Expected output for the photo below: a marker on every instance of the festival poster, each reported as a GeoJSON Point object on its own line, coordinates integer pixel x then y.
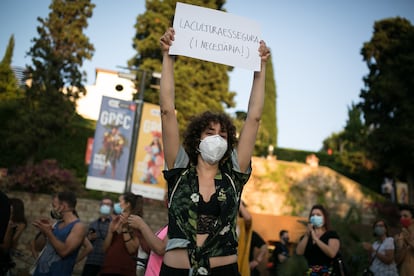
{"type": "Point", "coordinates": [111, 148]}
{"type": "Point", "coordinates": [147, 177]}
{"type": "Point", "coordinates": [402, 192]}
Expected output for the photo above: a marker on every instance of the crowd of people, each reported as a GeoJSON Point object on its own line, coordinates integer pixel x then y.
{"type": "Point", "coordinates": [110, 243]}
{"type": "Point", "coordinates": [209, 231]}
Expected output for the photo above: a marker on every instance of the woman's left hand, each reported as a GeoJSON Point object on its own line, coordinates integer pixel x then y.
{"type": "Point", "coordinates": [134, 221]}
{"type": "Point", "coordinates": [264, 51]}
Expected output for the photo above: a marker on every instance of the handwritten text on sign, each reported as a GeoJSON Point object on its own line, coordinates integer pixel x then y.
{"type": "Point", "coordinates": [216, 36]}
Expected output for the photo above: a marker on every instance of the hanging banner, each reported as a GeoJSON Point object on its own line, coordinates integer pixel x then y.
{"type": "Point", "coordinates": [147, 177]}
{"type": "Point", "coordinates": [216, 36]}
{"type": "Point", "coordinates": [111, 147]}
{"type": "Point", "coordinates": [402, 193]}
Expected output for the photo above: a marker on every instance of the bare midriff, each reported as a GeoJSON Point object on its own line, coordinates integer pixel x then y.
{"type": "Point", "coordinates": [178, 258]}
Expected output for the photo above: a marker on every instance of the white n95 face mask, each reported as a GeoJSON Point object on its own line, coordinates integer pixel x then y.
{"type": "Point", "coordinates": [212, 148]}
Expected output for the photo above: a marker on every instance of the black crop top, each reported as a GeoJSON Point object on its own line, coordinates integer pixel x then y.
{"type": "Point", "coordinates": [207, 214]}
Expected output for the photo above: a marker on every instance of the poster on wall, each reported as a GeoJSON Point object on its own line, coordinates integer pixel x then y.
{"type": "Point", "coordinates": [147, 177]}
{"type": "Point", "coordinates": [402, 192]}
{"type": "Point", "coordinates": [111, 148]}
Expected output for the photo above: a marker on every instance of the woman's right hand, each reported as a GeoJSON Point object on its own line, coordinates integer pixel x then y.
{"type": "Point", "coordinates": [166, 40]}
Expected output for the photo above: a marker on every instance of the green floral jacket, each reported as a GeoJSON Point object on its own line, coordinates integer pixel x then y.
{"type": "Point", "coordinates": [183, 196]}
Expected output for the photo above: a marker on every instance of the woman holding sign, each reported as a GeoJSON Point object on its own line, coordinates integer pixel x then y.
{"type": "Point", "coordinates": [205, 177]}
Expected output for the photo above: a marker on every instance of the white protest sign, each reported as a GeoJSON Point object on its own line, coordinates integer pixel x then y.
{"type": "Point", "coordinates": [216, 36]}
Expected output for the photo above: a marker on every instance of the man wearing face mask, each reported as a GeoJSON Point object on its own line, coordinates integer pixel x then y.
{"type": "Point", "coordinates": [96, 234]}
{"type": "Point", "coordinates": [64, 239]}
{"type": "Point", "coordinates": [319, 245]}
{"type": "Point", "coordinates": [281, 253]}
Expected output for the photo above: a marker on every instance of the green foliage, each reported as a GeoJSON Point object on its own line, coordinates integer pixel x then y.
{"type": "Point", "coordinates": [367, 176]}
{"type": "Point", "coordinates": [10, 106]}
{"type": "Point", "coordinates": [267, 134]}
{"type": "Point", "coordinates": [57, 55]}
{"type": "Point", "coordinates": [387, 99]}
{"type": "Point", "coordinates": [349, 155]}
{"type": "Point", "coordinates": [8, 84]}
{"type": "Point", "coordinates": [44, 177]}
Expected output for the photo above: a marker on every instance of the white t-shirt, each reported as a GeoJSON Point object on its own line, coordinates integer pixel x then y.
{"type": "Point", "coordinates": [378, 267]}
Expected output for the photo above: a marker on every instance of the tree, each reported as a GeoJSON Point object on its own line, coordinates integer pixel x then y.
{"type": "Point", "coordinates": [348, 144]}
{"type": "Point", "coordinates": [10, 103]}
{"type": "Point", "coordinates": [388, 99]}
{"type": "Point", "coordinates": [57, 82]}
{"type": "Point", "coordinates": [267, 134]}
{"type": "Point", "coordinates": [8, 83]}
{"type": "Point", "coordinates": [200, 85]}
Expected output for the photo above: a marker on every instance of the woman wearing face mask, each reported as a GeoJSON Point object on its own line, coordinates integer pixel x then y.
{"type": "Point", "coordinates": [319, 245]}
{"type": "Point", "coordinates": [381, 252]}
{"type": "Point", "coordinates": [205, 177]}
{"type": "Point", "coordinates": [121, 242]}
{"type": "Point", "coordinates": [404, 242]}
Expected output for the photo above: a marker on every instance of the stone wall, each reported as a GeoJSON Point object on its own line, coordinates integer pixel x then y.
{"type": "Point", "coordinates": [38, 205]}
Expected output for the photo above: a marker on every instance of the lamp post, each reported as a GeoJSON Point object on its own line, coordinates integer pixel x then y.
{"type": "Point", "coordinates": [138, 115]}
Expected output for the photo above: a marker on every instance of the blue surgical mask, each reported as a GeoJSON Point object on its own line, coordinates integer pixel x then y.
{"type": "Point", "coordinates": [117, 208]}
{"type": "Point", "coordinates": [317, 221]}
{"type": "Point", "coordinates": [105, 210]}
{"type": "Point", "coordinates": [379, 231]}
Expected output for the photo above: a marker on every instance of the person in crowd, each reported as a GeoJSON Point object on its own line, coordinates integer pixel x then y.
{"type": "Point", "coordinates": [205, 177]}
{"type": "Point", "coordinates": [404, 242]}
{"type": "Point", "coordinates": [258, 255]}
{"type": "Point", "coordinates": [244, 234]}
{"type": "Point", "coordinates": [117, 210]}
{"type": "Point", "coordinates": [5, 215]}
{"type": "Point", "coordinates": [97, 232]}
{"type": "Point", "coordinates": [121, 242]}
{"type": "Point", "coordinates": [18, 225]}
{"type": "Point", "coordinates": [38, 243]}
{"type": "Point", "coordinates": [6, 234]}
{"type": "Point", "coordinates": [280, 254]}
{"type": "Point", "coordinates": [19, 220]}
{"type": "Point", "coordinates": [64, 239]}
{"type": "Point", "coordinates": [320, 245]}
{"type": "Point", "coordinates": [156, 242]}
{"type": "Point", "coordinates": [381, 252]}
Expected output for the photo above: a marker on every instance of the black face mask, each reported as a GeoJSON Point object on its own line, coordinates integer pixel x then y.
{"type": "Point", "coordinates": [286, 240]}
{"type": "Point", "coordinates": [55, 214]}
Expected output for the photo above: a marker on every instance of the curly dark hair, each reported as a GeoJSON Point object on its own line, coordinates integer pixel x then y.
{"type": "Point", "coordinates": [200, 123]}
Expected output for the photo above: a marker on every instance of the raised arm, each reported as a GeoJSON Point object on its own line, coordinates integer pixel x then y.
{"type": "Point", "coordinates": [254, 112]}
{"type": "Point", "coordinates": [155, 243]}
{"type": "Point", "coordinates": [170, 133]}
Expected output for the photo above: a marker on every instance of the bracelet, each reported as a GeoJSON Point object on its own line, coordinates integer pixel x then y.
{"type": "Point", "coordinates": [128, 240]}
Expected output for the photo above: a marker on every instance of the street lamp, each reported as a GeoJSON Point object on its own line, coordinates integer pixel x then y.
{"type": "Point", "coordinates": [138, 114]}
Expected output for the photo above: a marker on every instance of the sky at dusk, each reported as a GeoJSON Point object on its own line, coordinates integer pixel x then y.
{"type": "Point", "coordinates": [315, 53]}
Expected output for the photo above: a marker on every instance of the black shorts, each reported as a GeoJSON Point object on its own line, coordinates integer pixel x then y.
{"type": "Point", "coordinates": [224, 270]}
